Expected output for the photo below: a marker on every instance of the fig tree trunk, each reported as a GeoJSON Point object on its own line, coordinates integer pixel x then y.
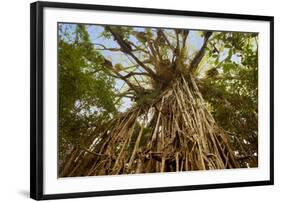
{"type": "Point", "coordinates": [174, 132]}
{"type": "Point", "coordinates": [169, 128]}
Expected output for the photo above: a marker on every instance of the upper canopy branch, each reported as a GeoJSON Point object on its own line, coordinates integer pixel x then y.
{"type": "Point", "coordinates": [127, 49]}
{"type": "Point", "coordinates": [135, 73]}
{"type": "Point", "coordinates": [199, 55]}
{"type": "Point", "coordinates": [118, 49]}
{"type": "Point", "coordinates": [166, 39]}
{"type": "Point", "coordinates": [106, 48]}
{"type": "Point", "coordinates": [109, 65]}
{"type": "Point", "coordinates": [184, 37]}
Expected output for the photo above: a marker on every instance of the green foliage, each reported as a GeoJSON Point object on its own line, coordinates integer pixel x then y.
{"type": "Point", "coordinates": [86, 92]}
{"type": "Point", "coordinates": [233, 94]}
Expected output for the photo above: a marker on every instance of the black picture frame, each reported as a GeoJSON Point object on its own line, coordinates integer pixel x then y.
{"type": "Point", "coordinates": [37, 99]}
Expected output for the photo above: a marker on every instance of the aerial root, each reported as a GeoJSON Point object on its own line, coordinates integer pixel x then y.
{"type": "Point", "coordinates": [177, 133]}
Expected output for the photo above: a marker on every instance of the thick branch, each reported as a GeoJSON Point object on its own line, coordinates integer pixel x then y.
{"type": "Point", "coordinates": [108, 64]}
{"type": "Point", "coordinates": [177, 49]}
{"type": "Point", "coordinates": [135, 73]}
{"type": "Point", "coordinates": [167, 41]}
{"type": "Point", "coordinates": [106, 48]}
{"type": "Point", "coordinates": [185, 34]}
{"type": "Point", "coordinates": [119, 49]}
{"type": "Point", "coordinates": [198, 57]}
{"type": "Point", "coordinates": [126, 48]}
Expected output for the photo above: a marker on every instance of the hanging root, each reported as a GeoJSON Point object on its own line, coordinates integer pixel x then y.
{"type": "Point", "coordinates": [176, 133]}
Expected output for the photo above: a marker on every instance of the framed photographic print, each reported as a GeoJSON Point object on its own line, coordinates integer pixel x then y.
{"type": "Point", "coordinates": [134, 100]}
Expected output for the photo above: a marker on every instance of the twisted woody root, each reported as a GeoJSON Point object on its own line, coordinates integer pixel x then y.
{"type": "Point", "coordinates": [175, 132]}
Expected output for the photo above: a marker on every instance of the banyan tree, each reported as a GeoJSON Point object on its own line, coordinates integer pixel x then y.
{"type": "Point", "coordinates": [144, 100]}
